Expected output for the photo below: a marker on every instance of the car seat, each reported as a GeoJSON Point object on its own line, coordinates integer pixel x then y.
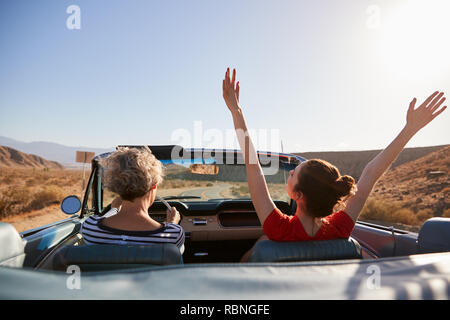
{"type": "Point", "coordinates": [275, 251]}
{"type": "Point", "coordinates": [102, 257]}
{"type": "Point", "coordinates": [434, 236]}
{"type": "Point", "coordinates": [12, 252]}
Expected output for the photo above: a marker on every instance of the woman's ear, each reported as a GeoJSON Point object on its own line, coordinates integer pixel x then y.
{"type": "Point", "coordinates": [151, 194]}
{"type": "Point", "coordinates": [301, 201]}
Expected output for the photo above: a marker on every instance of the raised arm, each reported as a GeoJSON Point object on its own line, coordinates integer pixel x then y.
{"type": "Point", "coordinates": [256, 182]}
{"type": "Point", "coordinates": [416, 119]}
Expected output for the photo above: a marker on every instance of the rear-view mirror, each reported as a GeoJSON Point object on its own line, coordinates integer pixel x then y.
{"type": "Point", "coordinates": [204, 169]}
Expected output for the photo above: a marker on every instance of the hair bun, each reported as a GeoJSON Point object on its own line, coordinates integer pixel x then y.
{"type": "Point", "coordinates": [345, 185]}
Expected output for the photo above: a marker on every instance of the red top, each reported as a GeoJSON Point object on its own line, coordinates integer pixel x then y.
{"type": "Point", "coordinates": [281, 227]}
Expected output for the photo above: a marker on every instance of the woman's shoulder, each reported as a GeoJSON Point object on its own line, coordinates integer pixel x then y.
{"type": "Point", "coordinates": [172, 227]}
{"type": "Point", "coordinates": [97, 218]}
{"type": "Point", "coordinates": [338, 216]}
{"type": "Point", "coordinates": [93, 219]}
{"type": "Point", "coordinates": [340, 222]}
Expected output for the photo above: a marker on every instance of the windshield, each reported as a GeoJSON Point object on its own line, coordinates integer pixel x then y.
{"type": "Point", "coordinates": [206, 180]}
{"type": "Point", "coordinates": [230, 182]}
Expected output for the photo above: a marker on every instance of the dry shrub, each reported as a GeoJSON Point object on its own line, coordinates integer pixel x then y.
{"type": "Point", "coordinates": [60, 182]}
{"type": "Point", "coordinates": [446, 214]}
{"type": "Point", "coordinates": [8, 179]}
{"type": "Point", "coordinates": [47, 196]}
{"type": "Point", "coordinates": [26, 189]}
{"type": "Point", "coordinates": [14, 201]}
{"type": "Point", "coordinates": [108, 197]}
{"type": "Point", "coordinates": [388, 212]}
{"type": "Point", "coordinates": [240, 191]}
{"type": "Point", "coordinates": [424, 215]}
{"type": "Point", "coordinates": [31, 182]}
{"type": "Point", "coordinates": [405, 216]}
{"type": "Point", "coordinates": [378, 210]}
{"type": "Point", "coordinates": [73, 180]}
{"type": "Point", "coordinates": [168, 184]}
{"type": "Point", "coordinates": [175, 183]}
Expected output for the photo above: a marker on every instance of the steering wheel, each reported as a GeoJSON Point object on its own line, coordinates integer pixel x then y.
{"type": "Point", "coordinates": [162, 205]}
{"type": "Point", "coordinates": [180, 206]}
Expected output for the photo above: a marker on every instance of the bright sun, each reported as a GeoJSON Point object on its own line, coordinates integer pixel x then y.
{"type": "Point", "coordinates": [415, 37]}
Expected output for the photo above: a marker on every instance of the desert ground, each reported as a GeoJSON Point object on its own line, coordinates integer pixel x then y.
{"type": "Point", "coordinates": [30, 197]}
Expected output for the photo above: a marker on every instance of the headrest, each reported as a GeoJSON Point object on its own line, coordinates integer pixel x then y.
{"type": "Point", "coordinates": [434, 236]}
{"type": "Point", "coordinates": [274, 251]}
{"type": "Point", "coordinates": [107, 257]}
{"type": "Point", "coordinates": [12, 248]}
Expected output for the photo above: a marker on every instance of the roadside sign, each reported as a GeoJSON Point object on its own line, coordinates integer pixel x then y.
{"type": "Point", "coordinates": [84, 157]}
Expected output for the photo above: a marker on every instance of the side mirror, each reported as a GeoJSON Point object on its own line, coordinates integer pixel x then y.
{"type": "Point", "coordinates": [71, 205]}
{"type": "Point", "coordinates": [204, 169]}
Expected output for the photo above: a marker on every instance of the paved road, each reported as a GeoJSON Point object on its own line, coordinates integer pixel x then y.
{"type": "Point", "coordinates": [214, 192]}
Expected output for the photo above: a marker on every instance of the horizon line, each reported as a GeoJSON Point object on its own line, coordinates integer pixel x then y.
{"type": "Point", "coordinates": [291, 152]}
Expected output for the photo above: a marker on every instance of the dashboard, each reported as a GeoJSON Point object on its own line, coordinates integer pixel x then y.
{"type": "Point", "coordinates": [218, 219]}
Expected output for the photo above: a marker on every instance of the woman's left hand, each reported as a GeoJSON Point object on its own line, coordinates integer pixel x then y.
{"type": "Point", "coordinates": [418, 118]}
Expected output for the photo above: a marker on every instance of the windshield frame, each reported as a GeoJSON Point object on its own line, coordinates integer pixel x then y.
{"type": "Point", "coordinates": [191, 155]}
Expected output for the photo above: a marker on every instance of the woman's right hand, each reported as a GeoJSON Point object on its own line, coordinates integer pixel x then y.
{"type": "Point", "coordinates": [418, 118]}
{"type": "Point", "coordinates": [231, 91]}
{"type": "Point", "coordinates": [173, 216]}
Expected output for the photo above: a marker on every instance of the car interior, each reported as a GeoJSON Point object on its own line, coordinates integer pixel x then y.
{"type": "Point", "coordinates": [211, 238]}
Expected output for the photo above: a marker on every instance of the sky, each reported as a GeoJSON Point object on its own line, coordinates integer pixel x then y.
{"type": "Point", "coordinates": [315, 75]}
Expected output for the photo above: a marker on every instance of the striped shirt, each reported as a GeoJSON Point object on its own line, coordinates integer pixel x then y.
{"type": "Point", "coordinates": [94, 232]}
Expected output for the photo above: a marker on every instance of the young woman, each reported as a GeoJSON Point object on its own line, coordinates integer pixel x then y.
{"type": "Point", "coordinates": [133, 174]}
{"type": "Point", "coordinates": [316, 185]}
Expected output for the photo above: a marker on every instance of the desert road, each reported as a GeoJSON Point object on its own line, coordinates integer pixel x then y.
{"type": "Point", "coordinates": [214, 192]}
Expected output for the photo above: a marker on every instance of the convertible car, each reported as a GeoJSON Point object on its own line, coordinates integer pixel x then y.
{"type": "Point", "coordinates": [209, 189]}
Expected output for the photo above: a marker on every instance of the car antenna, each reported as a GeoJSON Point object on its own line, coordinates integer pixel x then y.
{"type": "Point", "coordinates": [282, 151]}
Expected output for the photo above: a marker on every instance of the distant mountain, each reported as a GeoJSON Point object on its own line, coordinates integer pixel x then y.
{"type": "Point", "coordinates": [65, 155]}
{"type": "Point", "coordinates": [353, 162]}
{"type": "Point", "coordinates": [10, 157]}
{"type": "Point", "coordinates": [348, 162]}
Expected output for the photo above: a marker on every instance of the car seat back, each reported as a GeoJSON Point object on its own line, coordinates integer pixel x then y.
{"type": "Point", "coordinates": [274, 251]}
{"type": "Point", "coordinates": [12, 252]}
{"type": "Point", "coordinates": [112, 257]}
{"type": "Point", "coordinates": [434, 236]}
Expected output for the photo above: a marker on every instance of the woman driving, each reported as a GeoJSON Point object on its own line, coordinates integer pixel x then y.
{"type": "Point", "coordinates": [328, 204]}
{"type": "Point", "coordinates": [134, 175]}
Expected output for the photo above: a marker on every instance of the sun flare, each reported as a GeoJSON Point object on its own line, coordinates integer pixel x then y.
{"type": "Point", "coordinates": [414, 38]}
